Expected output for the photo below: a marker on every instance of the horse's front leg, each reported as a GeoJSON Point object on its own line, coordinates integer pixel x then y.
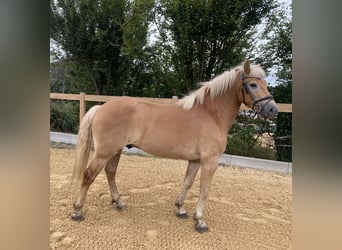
{"type": "Point", "coordinates": [190, 175]}
{"type": "Point", "coordinates": [208, 168]}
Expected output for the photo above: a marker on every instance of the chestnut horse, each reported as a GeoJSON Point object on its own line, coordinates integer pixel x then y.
{"type": "Point", "coordinates": [193, 129]}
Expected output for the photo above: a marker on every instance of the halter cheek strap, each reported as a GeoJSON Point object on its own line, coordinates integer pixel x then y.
{"type": "Point", "coordinates": [246, 88]}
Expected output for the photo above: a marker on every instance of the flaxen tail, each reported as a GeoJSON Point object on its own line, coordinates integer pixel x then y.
{"type": "Point", "coordinates": [83, 145]}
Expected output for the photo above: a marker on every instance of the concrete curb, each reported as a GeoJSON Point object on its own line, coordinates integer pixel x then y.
{"type": "Point", "coordinates": [225, 159]}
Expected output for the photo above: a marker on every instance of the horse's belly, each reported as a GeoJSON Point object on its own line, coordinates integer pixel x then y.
{"type": "Point", "coordinates": [171, 151]}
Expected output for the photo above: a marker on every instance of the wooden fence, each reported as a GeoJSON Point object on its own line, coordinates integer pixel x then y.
{"type": "Point", "coordinates": [83, 97]}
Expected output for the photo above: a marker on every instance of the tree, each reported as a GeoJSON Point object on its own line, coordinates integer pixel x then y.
{"type": "Point", "coordinates": [139, 56]}
{"type": "Point", "coordinates": [90, 32]}
{"type": "Point", "coordinates": [243, 138]}
{"type": "Point", "coordinates": [277, 54]}
{"type": "Point", "coordinates": [208, 37]}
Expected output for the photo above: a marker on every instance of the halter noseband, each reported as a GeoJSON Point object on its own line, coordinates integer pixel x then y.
{"type": "Point", "coordinates": [245, 88]}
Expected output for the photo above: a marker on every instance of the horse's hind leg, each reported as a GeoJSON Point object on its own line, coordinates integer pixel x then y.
{"type": "Point", "coordinates": [94, 168]}
{"type": "Point", "coordinates": [191, 172]}
{"type": "Point", "coordinates": [110, 170]}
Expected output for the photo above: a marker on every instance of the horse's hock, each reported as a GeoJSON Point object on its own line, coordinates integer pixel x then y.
{"type": "Point", "coordinates": [249, 209]}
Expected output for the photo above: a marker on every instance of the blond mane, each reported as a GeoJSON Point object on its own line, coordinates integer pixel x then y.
{"type": "Point", "coordinates": [218, 86]}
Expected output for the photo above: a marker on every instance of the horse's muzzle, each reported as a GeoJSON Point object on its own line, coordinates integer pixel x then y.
{"type": "Point", "coordinates": [267, 109]}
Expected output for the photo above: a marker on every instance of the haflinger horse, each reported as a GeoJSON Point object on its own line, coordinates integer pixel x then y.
{"type": "Point", "coordinates": [194, 129]}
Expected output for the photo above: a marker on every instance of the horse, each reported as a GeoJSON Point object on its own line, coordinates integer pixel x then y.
{"type": "Point", "coordinates": [193, 129]}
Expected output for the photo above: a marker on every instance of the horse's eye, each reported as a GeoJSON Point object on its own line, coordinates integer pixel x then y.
{"type": "Point", "coordinates": [253, 85]}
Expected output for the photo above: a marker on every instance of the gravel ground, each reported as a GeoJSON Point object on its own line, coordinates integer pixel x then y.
{"type": "Point", "coordinates": [246, 208]}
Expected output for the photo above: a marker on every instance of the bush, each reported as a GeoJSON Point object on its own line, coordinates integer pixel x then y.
{"type": "Point", "coordinates": [283, 137]}
{"type": "Point", "coordinates": [243, 137]}
{"type": "Point", "coordinates": [64, 116]}
{"type": "Point", "coordinates": [237, 145]}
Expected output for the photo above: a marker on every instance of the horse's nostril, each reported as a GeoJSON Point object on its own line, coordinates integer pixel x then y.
{"type": "Point", "coordinates": [273, 110]}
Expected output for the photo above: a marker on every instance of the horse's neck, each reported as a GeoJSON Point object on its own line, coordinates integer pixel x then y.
{"type": "Point", "coordinates": [227, 107]}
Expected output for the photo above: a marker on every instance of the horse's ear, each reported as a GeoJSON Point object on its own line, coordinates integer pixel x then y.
{"type": "Point", "coordinates": [246, 67]}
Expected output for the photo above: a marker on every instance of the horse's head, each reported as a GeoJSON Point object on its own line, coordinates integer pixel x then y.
{"type": "Point", "coordinates": [255, 94]}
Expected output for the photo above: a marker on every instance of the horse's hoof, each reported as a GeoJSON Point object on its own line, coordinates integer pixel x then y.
{"type": "Point", "coordinates": [182, 216]}
{"type": "Point", "coordinates": [77, 217]}
{"type": "Point", "coordinates": [119, 205]}
{"type": "Point", "coordinates": [201, 229]}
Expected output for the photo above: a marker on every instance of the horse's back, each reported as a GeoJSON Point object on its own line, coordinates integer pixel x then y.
{"type": "Point", "coordinates": [128, 119]}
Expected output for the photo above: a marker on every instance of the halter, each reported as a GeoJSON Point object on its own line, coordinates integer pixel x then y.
{"type": "Point", "coordinates": [246, 88]}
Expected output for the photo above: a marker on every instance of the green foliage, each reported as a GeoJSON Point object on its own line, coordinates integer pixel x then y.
{"type": "Point", "coordinates": [91, 33]}
{"type": "Point", "coordinates": [138, 15]}
{"type": "Point", "coordinates": [281, 46]}
{"type": "Point", "coordinates": [108, 52]}
{"type": "Point", "coordinates": [237, 146]}
{"type": "Point", "coordinates": [209, 36]}
{"type": "Point", "coordinates": [67, 77]}
{"type": "Point", "coordinates": [283, 137]}
{"type": "Point", "coordinates": [277, 53]}
{"type": "Point", "coordinates": [143, 61]}
{"type": "Point", "coordinates": [64, 116]}
{"type": "Point", "coordinates": [283, 134]}
{"type": "Point", "coordinates": [244, 134]}
{"type": "Point", "coordinates": [107, 42]}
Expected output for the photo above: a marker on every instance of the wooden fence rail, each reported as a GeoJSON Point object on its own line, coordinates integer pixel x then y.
{"type": "Point", "coordinates": [83, 97]}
